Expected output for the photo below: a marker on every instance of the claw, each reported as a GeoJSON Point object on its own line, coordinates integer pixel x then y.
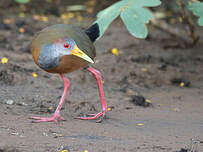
{"type": "Point", "coordinates": [91, 114]}
{"type": "Point", "coordinates": [54, 118]}
{"type": "Point", "coordinates": [61, 118]}
{"type": "Point", "coordinates": [94, 116]}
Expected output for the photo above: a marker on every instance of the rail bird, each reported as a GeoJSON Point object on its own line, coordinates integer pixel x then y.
{"type": "Point", "coordinates": [64, 48]}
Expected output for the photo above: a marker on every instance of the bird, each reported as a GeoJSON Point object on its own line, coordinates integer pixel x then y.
{"type": "Point", "coordinates": [64, 48]}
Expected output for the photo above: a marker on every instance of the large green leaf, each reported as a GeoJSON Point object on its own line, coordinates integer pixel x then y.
{"type": "Point", "coordinates": [105, 17]}
{"type": "Point", "coordinates": [133, 14]}
{"type": "Point", "coordinates": [22, 1]}
{"type": "Point", "coordinates": [134, 24]}
{"type": "Point", "coordinates": [142, 14]}
{"type": "Point", "coordinates": [113, 8]}
{"type": "Point", "coordinates": [197, 9]}
{"type": "Point", "coordinates": [200, 21]}
{"type": "Point", "coordinates": [144, 3]}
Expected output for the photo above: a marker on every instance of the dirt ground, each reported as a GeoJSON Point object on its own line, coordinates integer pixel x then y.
{"type": "Point", "coordinates": [143, 68]}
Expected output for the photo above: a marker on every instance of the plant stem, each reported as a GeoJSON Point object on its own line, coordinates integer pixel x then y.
{"type": "Point", "coordinates": [187, 18]}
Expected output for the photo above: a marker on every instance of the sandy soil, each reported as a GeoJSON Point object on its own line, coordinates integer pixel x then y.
{"type": "Point", "coordinates": [144, 68]}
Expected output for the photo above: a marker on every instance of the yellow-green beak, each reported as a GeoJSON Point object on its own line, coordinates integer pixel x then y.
{"type": "Point", "coordinates": [77, 52]}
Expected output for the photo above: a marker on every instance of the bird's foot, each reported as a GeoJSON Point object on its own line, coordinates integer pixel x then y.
{"type": "Point", "coordinates": [100, 115]}
{"type": "Point", "coordinates": [54, 118]}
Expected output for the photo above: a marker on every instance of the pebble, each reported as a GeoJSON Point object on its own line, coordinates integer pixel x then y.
{"type": "Point", "coordinates": [10, 102]}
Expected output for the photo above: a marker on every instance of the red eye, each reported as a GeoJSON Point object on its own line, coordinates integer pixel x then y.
{"type": "Point", "coordinates": [66, 45]}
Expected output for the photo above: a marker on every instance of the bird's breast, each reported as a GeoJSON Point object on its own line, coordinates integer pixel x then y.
{"type": "Point", "coordinates": [67, 64]}
{"type": "Point", "coordinates": [49, 58]}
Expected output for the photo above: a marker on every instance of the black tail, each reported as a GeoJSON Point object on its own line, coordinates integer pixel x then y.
{"type": "Point", "coordinates": [93, 32]}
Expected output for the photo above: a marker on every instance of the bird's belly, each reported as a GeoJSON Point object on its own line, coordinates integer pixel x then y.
{"type": "Point", "coordinates": [68, 64]}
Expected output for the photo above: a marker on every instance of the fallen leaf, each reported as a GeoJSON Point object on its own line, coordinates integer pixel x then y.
{"type": "Point", "coordinates": [44, 18]}
{"type": "Point", "coordinates": [182, 84]}
{"type": "Point", "coordinates": [140, 124]}
{"type": "Point", "coordinates": [21, 30]}
{"type": "Point", "coordinates": [108, 109]}
{"type": "Point", "coordinates": [148, 101]}
{"type": "Point", "coordinates": [34, 75]}
{"type": "Point", "coordinates": [65, 150]}
{"type": "Point", "coordinates": [115, 51]}
{"type": "Point", "coordinates": [4, 60]}
{"type": "Point", "coordinates": [70, 15]}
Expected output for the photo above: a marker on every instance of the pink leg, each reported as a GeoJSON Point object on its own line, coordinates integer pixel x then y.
{"type": "Point", "coordinates": [101, 114]}
{"type": "Point", "coordinates": [57, 115]}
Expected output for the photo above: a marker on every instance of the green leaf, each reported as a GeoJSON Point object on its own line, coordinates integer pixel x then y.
{"type": "Point", "coordinates": [22, 1]}
{"type": "Point", "coordinates": [144, 3]}
{"type": "Point", "coordinates": [142, 14]}
{"type": "Point", "coordinates": [197, 9]}
{"type": "Point", "coordinates": [200, 21]}
{"type": "Point", "coordinates": [105, 17]}
{"type": "Point", "coordinates": [150, 3]}
{"type": "Point", "coordinates": [133, 14]}
{"type": "Point", "coordinates": [133, 23]}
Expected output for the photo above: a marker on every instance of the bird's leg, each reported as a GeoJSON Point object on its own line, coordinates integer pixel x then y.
{"type": "Point", "coordinates": [101, 114]}
{"type": "Point", "coordinates": [56, 115]}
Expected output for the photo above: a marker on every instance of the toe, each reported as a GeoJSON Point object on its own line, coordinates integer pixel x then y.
{"type": "Point", "coordinates": [36, 118]}
{"type": "Point", "coordinates": [61, 118]}
{"type": "Point", "coordinates": [92, 116]}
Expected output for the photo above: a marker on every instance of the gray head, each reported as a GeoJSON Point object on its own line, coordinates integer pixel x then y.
{"type": "Point", "coordinates": [51, 53]}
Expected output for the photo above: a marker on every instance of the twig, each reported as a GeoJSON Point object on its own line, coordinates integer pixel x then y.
{"type": "Point", "coordinates": [173, 31]}
{"type": "Point", "coordinates": [187, 18]}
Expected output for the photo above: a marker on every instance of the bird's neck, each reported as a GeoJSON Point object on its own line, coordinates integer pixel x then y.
{"type": "Point", "coordinates": [93, 32]}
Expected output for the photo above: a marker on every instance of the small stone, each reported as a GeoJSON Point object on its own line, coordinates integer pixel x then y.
{"type": "Point", "coordinates": [10, 102]}
{"type": "Point", "coordinates": [15, 133]}
{"type": "Point", "coordinates": [56, 135]}
{"type": "Point", "coordinates": [45, 134]}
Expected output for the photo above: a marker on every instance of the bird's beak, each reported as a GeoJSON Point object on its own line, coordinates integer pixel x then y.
{"type": "Point", "coordinates": [77, 52]}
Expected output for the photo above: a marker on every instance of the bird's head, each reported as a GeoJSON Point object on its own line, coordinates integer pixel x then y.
{"type": "Point", "coordinates": [67, 46]}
